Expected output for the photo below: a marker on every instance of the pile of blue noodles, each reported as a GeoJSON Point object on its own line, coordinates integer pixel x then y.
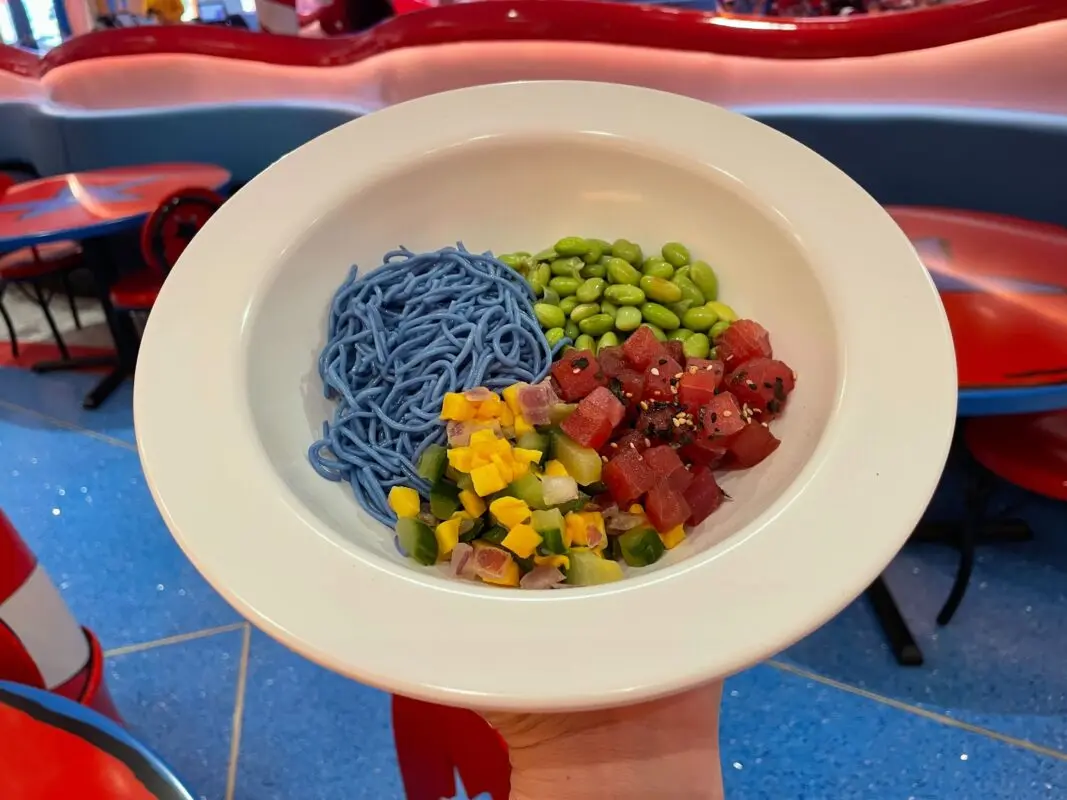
{"type": "Point", "coordinates": [399, 339]}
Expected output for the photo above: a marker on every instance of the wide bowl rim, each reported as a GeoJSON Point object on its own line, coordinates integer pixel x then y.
{"type": "Point", "coordinates": [867, 484]}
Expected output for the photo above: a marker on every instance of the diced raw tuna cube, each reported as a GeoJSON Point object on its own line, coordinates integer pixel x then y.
{"type": "Point", "coordinates": [762, 384]}
{"type": "Point", "coordinates": [703, 452]}
{"type": "Point", "coordinates": [588, 427]}
{"type": "Point", "coordinates": [722, 416]}
{"type": "Point", "coordinates": [666, 463]}
{"type": "Point", "coordinates": [666, 507]}
{"type": "Point", "coordinates": [753, 444]}
{"type": "Point", "coordinates": [703, 495]}
{"type": "Point", "coordinates": [577, 372]}
{"type": "Point", "coordinates": [627, 476]}
{"type": "Point", "coordinates": [743, 341]}
{"type": "Point", "coordinates": [612, 359]}
{"type": "Point", "coordinates": [630, 437]}
{"type": "Point", "coordinates": [660, 379]}
{"type": "Point", "coordinates": [657, 421]}
{"type": "Point", "coordinates": [601, 401]}
{"type": "Point", "coordinates": [642, 347]}
{"type": "Point", "coordinates": [697, 386]}
{"type": "Point", "coordinates": [674, 350]}
{"type": "Point", "coordinates": [680, 479]}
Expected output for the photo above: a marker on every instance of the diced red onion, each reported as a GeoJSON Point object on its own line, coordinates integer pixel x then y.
{"type": "Point", "coordinates": [461, 556]}
{"type": "Point", "coordinates": [594, 538]}
{"type": "Point", "coordinates": [541, 578]}
{"type": "Point", "coordinates": [465, 524]}
{"type": "Point", "coordinates": [490, 562]}
{"type": "Point", "coordinates": [535, 403]}
{"type": "Point", "coordinates": [559, 489]}
{"type": "Point", "coordinates": [478, 394]}
{"type": "Point", "coordinates": [623, 521]}
{"type": "Point", "coordinates": [553, 397]}
{"type": "Point", "coordinates": [459, 433]}
{"type": "Point", "coordinates": [428, 518]}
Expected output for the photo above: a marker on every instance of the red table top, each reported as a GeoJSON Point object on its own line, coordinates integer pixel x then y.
{"type": "Point", "coordinates": [82, 205]}
{"type": "Point", "coordinates": [1004, 285]}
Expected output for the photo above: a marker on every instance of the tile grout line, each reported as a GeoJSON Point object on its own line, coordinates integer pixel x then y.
{"type": "Point", "coordinates": [169, 640]}
{"type": "Point", "coordinates": [70, 426]}
{"type": "Point", "coordinates": [933, 716]}
{"type": "Point", "coordinates": [238, 713]}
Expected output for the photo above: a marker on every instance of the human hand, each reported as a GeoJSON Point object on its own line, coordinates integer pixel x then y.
{"type": "Point", "coordinates": [667, 749]}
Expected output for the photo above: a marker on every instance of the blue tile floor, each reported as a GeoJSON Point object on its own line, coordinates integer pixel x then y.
{"type": "Point", "coordinates": [832, 718]}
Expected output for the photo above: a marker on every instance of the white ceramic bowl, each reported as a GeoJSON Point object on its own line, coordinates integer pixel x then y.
{"type": "Point", "coordinates": [227, 405]}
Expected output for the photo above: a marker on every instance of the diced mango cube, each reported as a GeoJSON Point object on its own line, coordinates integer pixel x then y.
{"type": "Point", "coordinates": [506, 417]}
{"type": "Point", "coordinates": [487, 479]}
{"type": "Point", "coordinates": [472, 503]}
{"type": "Point", "coordinates": [673, 537]}
{"type": "Point", "coordinates": [594, 518]}
{"type": "Point", "coordinates": [575, 526]}
{"type": "Point", "coordinates": [530, 456]}
{"type": "Point", "coordinates": [461, 458]}
{"type": "Point", "coordinates": [521, 425]}
{"type": "Point", "coordinates": [511, 397]}
{"type": "Point", "coordinates": [510, 577]}
{"type": "Point", "coordinates": [507, 471]}
{"type": "Point", "coordinates": [483, 436]}
{"type": "Point", "coordinates": [519, 468]}
{"type": "Point", "coordinates": [637, 508]}
{"type": "Point", "coordinates": [509, 511]}
{"type": "Point", "coordinates": [457, 407]}
{"type": "Point", "coordinates": [554, 469]}
{"type": "Point", "coordinates": [489, 408]}
{"type": "Point", "coordinates": [522, 540]}
{"type": "Point", "coordinates": [559, 562]}
{"type": "Point", "coordinates": [447, 534]}
{"type": "Point", "coordinates": [404, 501]}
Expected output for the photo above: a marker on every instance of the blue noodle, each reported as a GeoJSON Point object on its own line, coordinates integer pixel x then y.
{"type": "Point", "coordinates": [398, 339]}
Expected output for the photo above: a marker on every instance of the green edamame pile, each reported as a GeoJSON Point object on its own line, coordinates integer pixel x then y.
{"type": "Point", "coordinates": [594, 293]}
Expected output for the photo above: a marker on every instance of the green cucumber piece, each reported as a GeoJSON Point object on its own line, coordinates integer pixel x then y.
{"type": "Point", "coordinates": [582, 463]}
{"type": "Point", "coordinates": [476, 528]}
{"type": "Point", "coordinates": [641, 546]}
{"type": "Point", "coordinates": [532, 440]}
{"type": "Point", "coordinates": [444, 500]}
{"type": "Point", "coordinates": [546, 520]}
{"type": "Point", "coordinates": [417, 540]}
{"type": "Point", "coordinates": [432, 463]}
{"type": "Point", "coordinates": [494, 534]}
{"type": "Point", "coordinates": [560, 411]}
{"type": "Point", "coordinates": [552, 542]}
{"type": "Point", "coordinates": [588, 569]}
{"type": "Point", "coordinates": [577, 504]}
{"type": "Point", "coordinates": [528, 489]}
{"type": "Point", "coordinates": [464, 482]}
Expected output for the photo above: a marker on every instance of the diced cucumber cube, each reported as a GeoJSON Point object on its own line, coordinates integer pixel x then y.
{"type": "Point", "coordinates": [528, 489]}
{"type": "Point", "coordinates": [582, 463]}
{"type": "Point", "coordinates": [432, 463]}
{"type": "Point", "coordinates": [641, 546]}
{"type": "Point", "coordinates": [589, 569]}
{"type": "Point", "coordinates": [417, 540]}
{"type": "Point", "coordinates": [532, 440]}
{"type": "Point", "coordinates": [444, 500]}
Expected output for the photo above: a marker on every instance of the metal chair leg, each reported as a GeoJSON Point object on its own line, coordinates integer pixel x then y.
{"type": "Point", "coordinates": [67, 289]}
{"type": "Point", "coordinates": [64, 353]}
{"type": "Point", "coordinates": [10, 325]}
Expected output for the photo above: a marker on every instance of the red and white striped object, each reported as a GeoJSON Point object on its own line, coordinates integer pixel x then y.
{"type": "Point", "coordinates": [41, 644]}
{"type": "Point", "coordinates": [278, 16]}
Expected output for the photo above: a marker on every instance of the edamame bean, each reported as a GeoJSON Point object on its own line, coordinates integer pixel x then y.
{"type": "Point", "coordinates": [546, 255]}
{"type": "Point", "coordinates": [597, 248]}
{"type": "Point", "coordinates": [549, 316]}
{"type": "Point", "coordinates": [620, 271]}
{"type": "Point", "coordinates": [724, 311]}
{"type": "Point", "coordinates": [627, 251]}
{"type": "Point", "coordinates": [674, 253]}
{"type": "Point", "coordinates": [609, 339]}
{"type": "Point", "coordinates": [591, 289]}
{"type": "Point", "coordinates": [718, 329]}
{"type": "Point", "coordinates": [660, 316]}
{"type": "Point", "coordinates": [597, 270]}
{"type": "Point", "coordinates": [565, 286]}
{"type": "Point", "coordinates": [700, 318]}
{"type": "Point", "coordinates": [682, 272]}
{"type": "Point", "coordinates": [660, 290]}
{"type": "Point", "coordinates": [596, 325]}
{"type": "Point", "coordinates": [658, 268]}
{"type": "Point", "coordinates": [584, 311]}
{"type": "Point", "coordinates": [689, 290]}
{"type": "Point", "coordinates": [571, 329]}
{"type": "Point", "coordinates": [513, 260]}
{"type": "Point", "coordinates": [567, 267]}
{"type": "Point", "coordinates": [568, 304]}
{"type": "Point", "coordinates": [572, 246]}
{"type": "Point", "coordinates": [679, 335]}
{"type": "Point", "coordinates": [554, 335]}
{"type": "Point", "coordinates": [609, 308]}
{"type": "Point", "coordinates": [539, 278]}
{"type": "Point", "coordinates": [585, 342]}
{"type": "Point", "coordinates": [656, 331]}
{"type": "Point", "coordinates": [624, 295]}
{"type": "Point", "coordinates": [696, 346]}
{"type": "Point", "coordinates": [628, 319]}
{"type": "Point", "coordinates": [701, 273]}
{"type": "Point", "coordinates": [680, 307]}
{"type": "Point", "coordinates": [550, 296]}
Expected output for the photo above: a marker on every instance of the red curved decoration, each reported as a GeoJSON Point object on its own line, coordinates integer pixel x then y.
{"type": "Point", "coordinates": [575, 21]}
{"type": "Point", "coordinates": [20, 62]}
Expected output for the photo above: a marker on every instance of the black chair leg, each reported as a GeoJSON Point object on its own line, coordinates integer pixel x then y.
{"type": "Point", "coordinates": [10, 325]}
{"type": "Point", "coordinates": [64, 353]}
{"type": "Point", "coordinates": [70, 300]}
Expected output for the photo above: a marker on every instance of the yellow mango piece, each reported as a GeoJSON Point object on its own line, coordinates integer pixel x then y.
{"type": "Point", "coordinates": [637, 508]}
{"type": "Point", "coordinates": [511, 397]}
{"type": "Point", "coordinates": [519, 468]}
{"type": "Point", "coordinates": [404, 501]}
{"type": "Point", "coordinates": [560, 562]}
{"type": "Point", "coordinates": [673, 537]}
{"type": "Point", "coordinates": [487, 479]}
{"type": "Point", "coordinates": [530, 456]}
{"type": "Point", "coordinates": [461, 458]}
{"type": "Point", "coordinates": [472, 503]}
{"type": "Point", "coordinates": [576, 531]}
{"type": "Point", "coordinates": [506, 416]}
{"type": "Point", "coordinates": [447, 534]}
{"type": "Point", "coordinates": [594, 518]}
{"type": "Point", "coordinates": [509, 578]}
{"type": "Point", "coordinates": [522, 540]}
{"type": "Point", "coordinates": [489, 408]}
{"type": "Point", "coordinates": [554, 469]}
{"type": "Point", "coordinates": [507, 472]}
{"type": "Point", "coordinates": [521, 425]}
{"type": "Point", "coordinates": [457, 407]}
{"type": "Point", "coordinates": [482, 437]}
{"type": "Point", "coordinates": [509, 511]}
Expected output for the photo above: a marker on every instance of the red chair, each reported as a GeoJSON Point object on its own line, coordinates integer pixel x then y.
{"type": "Point", "coordinates": [165, 235]}
{"type": "Point", "coordinates": [32, 267]}
{"type": "Point", "coordinates": [1028, 450]}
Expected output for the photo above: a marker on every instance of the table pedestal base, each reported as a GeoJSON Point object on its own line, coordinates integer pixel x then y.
{"type": "Point", "coordinates": [108, 384]}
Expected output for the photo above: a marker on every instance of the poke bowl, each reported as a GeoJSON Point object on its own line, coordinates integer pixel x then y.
{"type": "Point", "coordinates": [530, 216]}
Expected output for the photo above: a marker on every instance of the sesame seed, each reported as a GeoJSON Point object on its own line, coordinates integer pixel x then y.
{"type": "Point", "coordinates": [648, 443]}
{"type": "Point", "coordinates": [692, 370]}
{"type": "Point", "coordinates": [628, 395]}
{"type": "Point", "coordinates": [633, 446]}
{"type": "Point", "coordinates": [764, 424]}
{"type": "Point", "coordinates": [575, 371]}
{"type": "Point", "coordinates": [727, 413]}
{"type": "Point", "coordinates": [654, 371]}
{"type": "Point", "coordinates": [604, 459]}
{"type": "Point", "coordinates": [644, 406]}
